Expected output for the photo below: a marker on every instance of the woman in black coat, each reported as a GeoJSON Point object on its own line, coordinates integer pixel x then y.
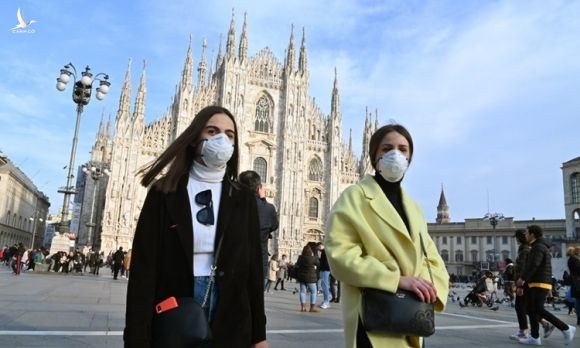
{"type": "Point", "coordinates": [306, 275]}
{"type": "Point", "coordinates": [195, 204]}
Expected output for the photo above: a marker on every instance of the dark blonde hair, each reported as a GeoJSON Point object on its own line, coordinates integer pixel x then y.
{"type": "Point", "coordinates": [180, 154]}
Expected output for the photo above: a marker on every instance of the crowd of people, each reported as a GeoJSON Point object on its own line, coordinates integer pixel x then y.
{"type": "Point", "coordinates": [20, 259]}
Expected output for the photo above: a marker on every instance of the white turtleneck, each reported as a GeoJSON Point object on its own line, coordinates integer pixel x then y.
{"type": "Point", "coordinates": [202, 178]}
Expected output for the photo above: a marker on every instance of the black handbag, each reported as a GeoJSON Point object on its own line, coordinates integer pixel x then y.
{"type": "Point", "coordinates": [401, 313]}
{"type": "Point", "coordinates": [185, 325]}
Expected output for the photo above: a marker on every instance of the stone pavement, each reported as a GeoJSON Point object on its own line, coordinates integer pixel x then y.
{"type": "Point", "coordinates": [58, 310]}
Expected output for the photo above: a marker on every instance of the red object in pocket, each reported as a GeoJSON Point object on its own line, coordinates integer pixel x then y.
{"type": "Point", "coordinates": [167, 304]}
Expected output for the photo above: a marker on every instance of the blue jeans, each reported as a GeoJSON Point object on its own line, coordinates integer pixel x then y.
{"type": "Point", "coordinates": [325, 282]}
{"type": "Point", "coordinates": [199, 289]}
{"type": "Point", "coordinates": [312, 288]}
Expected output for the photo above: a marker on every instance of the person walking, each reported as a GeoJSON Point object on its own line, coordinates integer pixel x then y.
{"type": "Point", "coordinates": [574, 267]}
{"type": "Point", "coordinates": [127, 263]}
{"type": "Point", "coordinates": [306, 275]}
{"type": "Point", "coordinates": [508, 277]}
{"type": "Point", "coordinates": [520, 293]}
{"type": "Point", "coordinates": [118, 257]}
{"type": "Point", "coordinates": [374, 239]}
{"type": "Point", "coordinates": [324, 277]}
{"type": "Point", "coordinates": [268, 216]}
{"type": "Point", "coordinates": [537, 275]}
{"type": "Point", "coordinates": [193, 207]}
{"type": "Point", "coordinates": [281, 273]}
{"type": "Point", "coordinates": [272, 270]}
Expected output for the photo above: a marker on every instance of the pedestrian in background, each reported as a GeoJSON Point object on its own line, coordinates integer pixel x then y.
{"type": "Point", "coordinates": [118, 257]}
{"type": "Point", "coordinates": [324, 277]}
{"type": "Point", "coordinates": [574, 267]}
{"type": "Point", "coordinates": [521, 292]}
{"type": "Point", "coordinates": [538, 276]}
{"type": "Point", "coordinates": [266, 211]}
{"type": "Point", "coordinates": [374, 238]}
{"type": "Point", "coordinates": [193, 207]}
{"type": "Point", "coordinates": [509, 280]}
{"type": "Point", "coordinates": [306, 275]}
{"type": "Point", "coordinates": [127, 263]}
{"type": "Point", "coordinates": [272, 271]}
{"type": "Point", "coordinates": [281, 273]}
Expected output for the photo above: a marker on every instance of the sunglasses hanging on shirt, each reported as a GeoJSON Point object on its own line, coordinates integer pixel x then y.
{"type": "Point", "coordinates": [205, 215]}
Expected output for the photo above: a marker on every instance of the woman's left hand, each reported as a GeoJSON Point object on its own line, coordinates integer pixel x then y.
{"type": "Point", "coordinates": [421, 287]}
{"type": "Point", "coordinates": [262, 344]}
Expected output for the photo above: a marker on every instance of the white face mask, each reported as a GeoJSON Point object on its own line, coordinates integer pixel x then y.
{"type": "Point", "coordinates": [217, 151]}
{"type": "Point", "coordinates": [392, 165]}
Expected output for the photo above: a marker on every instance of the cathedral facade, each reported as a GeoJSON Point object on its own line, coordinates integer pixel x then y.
{"type": "Point", "coordinates": [298, 150]}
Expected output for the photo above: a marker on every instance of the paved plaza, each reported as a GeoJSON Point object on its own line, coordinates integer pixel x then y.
{"type": "Point", "coordinates": [65, 311]}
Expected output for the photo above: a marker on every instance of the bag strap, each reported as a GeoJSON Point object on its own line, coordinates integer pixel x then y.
{"type": "Point", "coordinates": [426, 258]}
{"type": "Point", "coordinates": [212, 273]}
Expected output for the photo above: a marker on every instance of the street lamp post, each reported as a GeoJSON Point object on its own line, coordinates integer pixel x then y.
{"type": "Point", "coordinates": [96, 171]}
{"type": "Point", "coordinates": [81, 95]}
{"type": "Point", "coordinates": [494, 219]}
{"type": "Point", "coordinates": [34, 218]}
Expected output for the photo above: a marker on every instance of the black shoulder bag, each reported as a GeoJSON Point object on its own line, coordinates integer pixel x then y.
{"type": "Point", "coordinates": [181, 322]}
{"type": "Point", "coordinates": [401, 313]}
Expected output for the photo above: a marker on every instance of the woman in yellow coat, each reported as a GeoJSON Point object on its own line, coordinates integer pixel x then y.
{"type": "Point", "coordinates": [373, 240]}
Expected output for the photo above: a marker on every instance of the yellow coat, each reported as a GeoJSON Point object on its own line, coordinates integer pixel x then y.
{"type": "Point", "coordinates": [368, 245]}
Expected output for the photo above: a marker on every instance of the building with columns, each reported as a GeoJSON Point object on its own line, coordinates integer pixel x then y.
{"type": "Point", "coordinates": [23, 207]}
{"type": "Point", "coordinates": [571, 180]}
{"type": "Point", "coordinates": [298, 150]}
{"type": "Point", "coordinates": [468, 246]}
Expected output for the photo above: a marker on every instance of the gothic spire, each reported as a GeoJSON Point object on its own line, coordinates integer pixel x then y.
{"type": "Point", "coordinates": [218, 60]}
{"type": "Point", "coordinates": [442, 209]}
{"type": "Point", "coordinates": [350, 141]}
{"type": "Point", "coordinates": [231, 43]}
{"type": "Point", "coordinates": [442, 200]}
{"type": "Point", "coordinates": [186, 78]}
{"type": "Point", "coordinates": [202, 68]}
{"type": "Point", "coordinates": [102, 130]}
{"type": "Point", "coordinates": [101, 141]}
{"type": "Point", "coordinates": [303, 58]}
{"type": "Point", "coordinates": [125, 98]}
{"type": "Point", "coordinates": [243, 52]}
{"type": "Point", "coordinates": [108, 129]}
{"type": "Point", "coordinates": [139, 110]}
{"type": "Point", "coordinates": [290, 55]}
{"type": "Point", "coordinates": [335, 98]}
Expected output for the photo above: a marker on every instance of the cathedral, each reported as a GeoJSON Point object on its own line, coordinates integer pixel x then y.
{"type": "Point", "coordinates": [299, 151]}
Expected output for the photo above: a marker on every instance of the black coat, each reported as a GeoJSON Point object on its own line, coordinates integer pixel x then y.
{"type": "Point", "coordinates": [268, 220]}
{"type": "Point", "coordinates": [538, 267]}
{"type": "Point", "coordinates": [162, 261]}
{"type": "Point", "coordinates": [574, 267]}
{"type": "Point", "coordinates": [324, 266]}
{"type": "Point", "coordinates": [306, 269]}
{"type": "Point", "coordinates": [521, 259]}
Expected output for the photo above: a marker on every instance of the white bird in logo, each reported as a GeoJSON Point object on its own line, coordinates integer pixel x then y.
{"type": "Point", "coordinates": [21, 22]}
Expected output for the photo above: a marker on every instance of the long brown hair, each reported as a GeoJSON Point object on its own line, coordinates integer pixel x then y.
{"type": "Point", "coordinates": [380, 133]}
{"type": "Point", "coordinates": [181, 153]}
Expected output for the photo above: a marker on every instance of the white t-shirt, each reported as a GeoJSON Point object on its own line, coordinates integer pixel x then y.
{"type": "Point", "coordinates": [203, 235]}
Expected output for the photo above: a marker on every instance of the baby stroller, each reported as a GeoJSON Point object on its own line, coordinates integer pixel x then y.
{"type": "Point", "coordinates": [477, 296]}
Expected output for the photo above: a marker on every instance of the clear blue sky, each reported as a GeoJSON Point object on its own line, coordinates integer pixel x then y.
{"type": "Point", "coordinates": [489, 89]}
